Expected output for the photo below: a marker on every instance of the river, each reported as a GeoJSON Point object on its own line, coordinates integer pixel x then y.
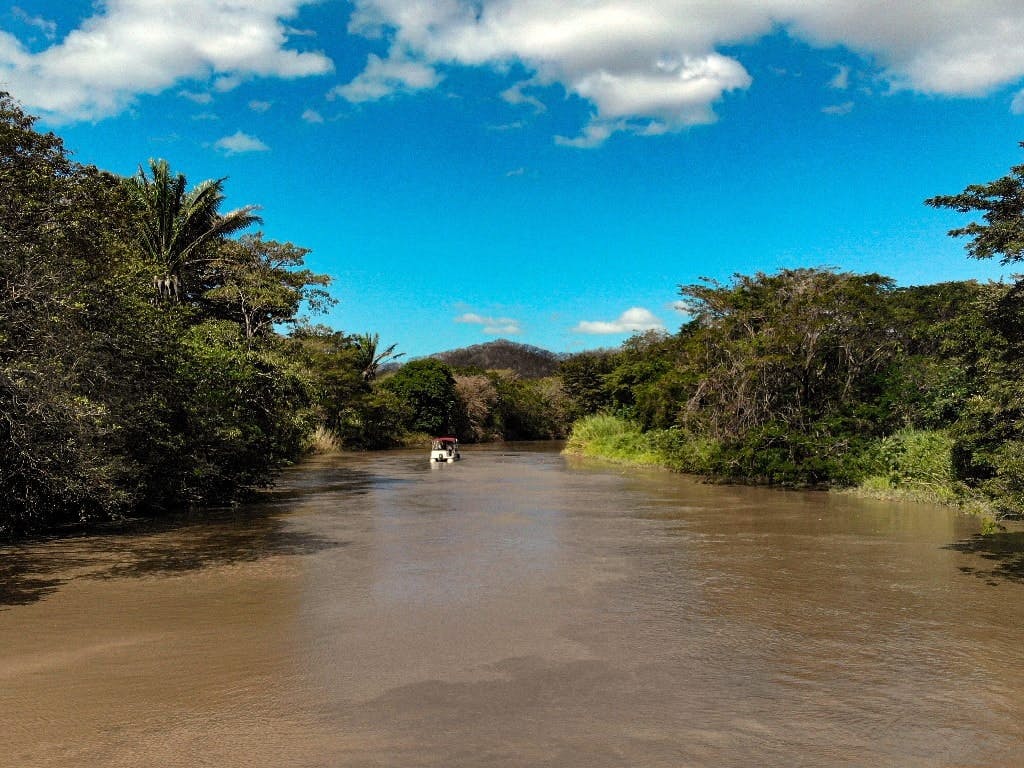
{"type": "Point", "coordinates": [519, 608]}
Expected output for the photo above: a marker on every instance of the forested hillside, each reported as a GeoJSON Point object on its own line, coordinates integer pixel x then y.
{"type": "Point", "coordinates": [524, 360]}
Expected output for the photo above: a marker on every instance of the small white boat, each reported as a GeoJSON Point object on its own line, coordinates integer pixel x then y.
{"type": "Point", "coordinates": [445, 449]}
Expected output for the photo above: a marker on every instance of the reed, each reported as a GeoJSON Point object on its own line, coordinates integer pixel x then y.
{"type": "Point", "coordinates": [323, 440]}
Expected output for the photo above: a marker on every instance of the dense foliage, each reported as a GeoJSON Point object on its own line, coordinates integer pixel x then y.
{"type": "Point", "coordinates": [818, 377]}
{"type": "Point", "coordinates": [139, 365]}
{"type": "Point", "coordinates": [803, 377]}
{"type": "Point", "coordinates": [144, 365]}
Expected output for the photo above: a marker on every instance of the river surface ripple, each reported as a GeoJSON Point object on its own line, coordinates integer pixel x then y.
{"type": "Point", "coordinates": [519, 608]}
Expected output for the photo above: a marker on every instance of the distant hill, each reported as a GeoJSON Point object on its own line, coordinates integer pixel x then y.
{"type": "Point", "coordinates": [528, 361]}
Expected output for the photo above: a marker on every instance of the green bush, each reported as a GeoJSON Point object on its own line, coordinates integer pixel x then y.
{"type": "Point", "coordinates": [1006, 488]}
{"type": "Point", "coordinates": [685, 452]}
{"type": "Point", "coordinates": [427, 388]}
{"type": "Point", "coordinates": [911, 461]}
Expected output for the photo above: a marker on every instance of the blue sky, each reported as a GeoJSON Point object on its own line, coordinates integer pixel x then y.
{"type": "Point", "coordinates": [540, 171]}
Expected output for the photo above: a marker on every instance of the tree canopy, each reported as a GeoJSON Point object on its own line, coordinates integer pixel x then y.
{"type": "Point", "coordinates": [1001, 203]}
{"type": "Point", "coordinates": [177, 225]}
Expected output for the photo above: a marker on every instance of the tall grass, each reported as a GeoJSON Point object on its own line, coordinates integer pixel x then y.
{"type": "Point", "coordinates": [618, 439]}
{"type": "Point", "coordinates": [911, 463]}
{"type": "Point", "coordinates": [323, 440]}
{"type": "Point", "coordinates": [611, 437]}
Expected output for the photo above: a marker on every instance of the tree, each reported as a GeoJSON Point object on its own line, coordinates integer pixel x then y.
{"type": "Point", "coordinates": [527, 408]}
{"type": "Point", "coordinates": [427, 387]}
{"type": "Point", "coordinates": [261, 286]}
{"type": "Point", "coordinates": [785, 372]}
{"type": "Point", "coordinates": [791, 347]}
{"type": "Point", "coordinates": [1002, 204]}
{"type": "Point", "coordinates": [242, 415]}
{"type": "Point", "coordinates": [370, 359]}
{"type": "Point", "coordinates": [583, 381]}
{"type": "Point", "coordinates": [109, 405]}
{"type": "Point", "coordinates": [988, 452]}
{"type": "Point", "coordinates": [477, 399]}
{"type": "Point", "coordinates": [176, 227]}
{"type": "Point", "coordinates": [60, 407]}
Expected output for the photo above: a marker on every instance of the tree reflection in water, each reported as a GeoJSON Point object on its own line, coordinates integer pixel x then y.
{"type": "Point", "coordinates": [184, 542]}
{"type": "Point", "coordinates": [1005, 550]}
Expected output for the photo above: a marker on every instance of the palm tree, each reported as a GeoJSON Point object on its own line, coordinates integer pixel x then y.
{"type": "Point", "coordinates": [369, 359]}
{"type": "Point", "coordinates": [177, 225]}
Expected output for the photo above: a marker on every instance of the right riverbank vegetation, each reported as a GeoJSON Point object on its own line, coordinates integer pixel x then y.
{"type": "Point", "coordinates": [153, 358]}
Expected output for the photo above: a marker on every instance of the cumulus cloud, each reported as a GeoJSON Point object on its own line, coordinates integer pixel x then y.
{"type": "Point", "coordinates": [653, 66]}
{"type": "Point", "coordinates": [594, 135]}
{"type": "Point", "coordinates": [131, 47]}
{"type": "Point", "coordinates": [492, 326]}
{"type": "Point", "coordinates": [260, 106]}
{"type": "Point", "coordinates": [384, 77]}
{"type": "Point", "coordinates": [643, 66]}
{"type": "Point", "coordinates": [633, 319]}
{"type": "Point", "coordinates": [240, 143]}
{"type": "Point", "coordinates": [312, 116]}
{"type": "Point", "coordinates": [839, 109]}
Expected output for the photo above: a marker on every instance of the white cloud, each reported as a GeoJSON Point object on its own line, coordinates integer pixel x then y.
{"type": "Point", "coordinates": [520, 171]}
{"type": "Point", "coordinates": [513, 126]}
{"type": "Point", "coordinates": [841, 80]}
{"type": "Point", "coordinates": [594, 135]}
{"type": "Point", "coordinates": [492, 326]}
{"type": "Point", "coordinates": [260, 106]}
{"type": "Point", "coordinates": [131, 47]}
{"type": "Point", "coordinates": [839, 109]}
{"type": "Point", "coordinates": [384, 77]}
{"type": "Point", "coordinates": [1017, 105]}
{"type": "Point", "coordinates": [643, 66]}
{"type": "Point", "coordinates": [516, 97]}
{"type": "Point", "coordinates": [47, 27]}
{"type": "Point", "coordinates": [653, 66]}
{"type": "Point", "coordinates": [312, 116]}
{"type": "Point", "coordinates": [198, 98]}
{"type": "Point", "coordinates": [226, 83]}
{"type": "Point", "coordinates": [239, 143]}
{"type": "Point", "coordinates": [633, 319]}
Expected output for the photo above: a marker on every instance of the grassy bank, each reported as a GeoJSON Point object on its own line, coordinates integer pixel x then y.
{"type": "Point", "coordinates": [911, 465]}
{"type": "Point", "coordinates": [609, 437]}
{"type": "Point", "coordinates": [617, 439]}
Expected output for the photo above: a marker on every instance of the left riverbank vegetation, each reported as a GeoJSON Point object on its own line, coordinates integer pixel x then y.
{"type": "Point", "coordinates": [142, 368]}
{"type": "Point", "coordinates": [154, 357]}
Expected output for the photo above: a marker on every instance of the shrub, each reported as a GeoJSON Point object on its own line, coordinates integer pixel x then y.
{"type": "Point", "coordinates": [612, 437]}
{"type": "Point", "coordinates": [911, 460]}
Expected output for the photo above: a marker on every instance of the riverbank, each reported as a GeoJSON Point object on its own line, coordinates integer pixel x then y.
{"type": "Point", "coordinates": [909, 465]}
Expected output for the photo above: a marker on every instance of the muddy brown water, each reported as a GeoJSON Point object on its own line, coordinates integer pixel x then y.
{"type": "Point", "coordinates": [518, 609]}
